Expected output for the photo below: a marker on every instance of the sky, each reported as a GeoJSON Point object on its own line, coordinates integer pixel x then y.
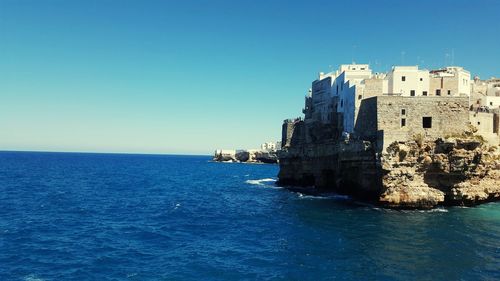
{"type": "Point", "coordinates": [188, 77]}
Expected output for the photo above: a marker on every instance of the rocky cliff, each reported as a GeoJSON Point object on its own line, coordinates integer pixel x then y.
{"type": "Point", "coordinates": [246, 156]}
{"type": "Point", "coordinates": [418, 173]}
{"type": "Point", "coordinates": [460, 170]}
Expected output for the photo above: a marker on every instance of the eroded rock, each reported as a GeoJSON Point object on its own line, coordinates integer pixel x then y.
{"type": "Point", "coordinates": [455, 171]}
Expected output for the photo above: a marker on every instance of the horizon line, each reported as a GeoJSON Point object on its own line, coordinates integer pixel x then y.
{"type": "Point", "coordinates": [97, 152]}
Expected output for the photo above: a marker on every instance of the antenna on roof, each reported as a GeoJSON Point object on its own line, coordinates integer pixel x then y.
{"type": "Point", "coordinates": [403, 53]}
{"type": "Point", "coordinates": [353, 51]}
{"type": "Point", "coordinates": [452, 56]}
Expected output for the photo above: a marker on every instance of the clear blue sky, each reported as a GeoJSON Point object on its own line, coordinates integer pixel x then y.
{"type": "Point", "coordinates": [193, 76]}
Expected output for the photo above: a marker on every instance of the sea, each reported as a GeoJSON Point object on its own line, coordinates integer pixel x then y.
{"type": "Point", "coordinates": [83, 216]}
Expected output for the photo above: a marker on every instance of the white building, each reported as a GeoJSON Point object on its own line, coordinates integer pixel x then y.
{"type": "Point", "coordinates": [342, 91]}
{"type": "Point", "coordinates": [485, 93]}
{"type": "Point", "coordinates": [408, 81]}
{"type": "Point", "coordinates": [268, 146]}
{"type": "Point", "coordinates": [348, 87]}
{"type": "Point", "coordinates": [492, 102]}
{"type": "Point", "coordinates": [321, 96]}
{"type": "Point", "coordinates": [450, 81]}
{"type": "Point", "coordinates": [493, 87]}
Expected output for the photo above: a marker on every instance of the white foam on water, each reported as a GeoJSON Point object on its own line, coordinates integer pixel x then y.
{"type": "Point", "coordinates": [261, 181]}
{"type": "Point", "coordinates": [436, 210]}
{"type": "Point", "coordinates": [268, 182]}
{"type": "Point", "coordinates": [33, 277]}
{"type": "Point", "coordinates": [325, 196]}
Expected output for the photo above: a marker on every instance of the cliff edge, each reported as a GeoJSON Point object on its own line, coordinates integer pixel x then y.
{"type": "Point", "coordinates": [394, 139]}
{"type": "Point", "coordinates": [459, 170]}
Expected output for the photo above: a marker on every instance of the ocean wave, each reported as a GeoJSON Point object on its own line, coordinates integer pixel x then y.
{"type": "Point", "coordinates": [324, 196]}
{"type": "Point", "coordinates": [435, 210]}
{"type": "Point", "coordinates": [262, 182]}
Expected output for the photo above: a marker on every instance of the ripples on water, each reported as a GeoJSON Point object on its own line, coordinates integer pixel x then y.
{"type": "Point", "coordinates": [135, 217]}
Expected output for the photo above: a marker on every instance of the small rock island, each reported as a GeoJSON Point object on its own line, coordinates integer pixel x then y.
{"type": "Point", "coordinates": [409, 138]}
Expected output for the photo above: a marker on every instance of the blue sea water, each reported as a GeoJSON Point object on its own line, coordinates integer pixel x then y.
{"type": "Point", "coordinates": [70, 216]}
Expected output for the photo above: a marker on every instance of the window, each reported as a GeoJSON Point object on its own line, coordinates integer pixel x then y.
{"type": "Point", "coordinates": [403, 111]}
{"type": "Point", "coordinates": [403, 78]}
{"type": "Point", "coordinates": [403, 122]}
{"type": "Point", "coordinates": [341, 103]}
{"type": "Point", "coordinates": [491, 103]}
{"type": "Point", "coordinates": [479, 123]}
{"type": "Point", "coordinates": [412, 93]}
{"type": "Point", "coordinates": [360, 97]}
{"type": "Point", "coordinates": [424, 93]}
{"type": "Point", "coordinates": [438, 92]}
{"type": "Point", "coordinates": [449, 92]}
{"type": "Point", "coordinates": [362, 68]}
{"type": "Point", "coordinates": [427, 122]}
{"type": "Point", "coordinates": [337, 89]}
{"type": "Point", "coordinates": [421, 79]}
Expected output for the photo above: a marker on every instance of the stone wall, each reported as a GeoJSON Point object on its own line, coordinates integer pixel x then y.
{"type": "Point", "coordinates": [398, 118]}
{"type": "Point", "coordinates": [444, 84]}
{"type": "Point", "coordinates": [447, 116]}
{"type": "Point", "coordinates": [345, 167]}
{"type": "Point", "coordinates": [373, 87]}
{"type": "Point", "coordinates": [298, 135]}
{"type": "Point", "coordinates": [287, 132]}
{"type": "Point", "coordinates": [366, 123]}
{"type": "Point", "coordinates": [485, 125]}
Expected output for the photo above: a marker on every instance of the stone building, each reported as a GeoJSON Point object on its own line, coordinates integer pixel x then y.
{"type": "Point", "coordinates": [487, 124]}
{"type": "Point", "coordinates": [394, 106]}
{"type": "Point", "coordinates": [270, 146]}
{"type": "Point", "coordinates": [450, 81]}
{"type": "Point", "coordinates": [485, 108]}
{"type": "Point", "coordinates": [386, 119]}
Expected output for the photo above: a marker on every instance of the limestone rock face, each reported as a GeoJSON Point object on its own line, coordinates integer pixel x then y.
{"type": "Point", "coordinates": [243, 155]}
{"type": "Point", "coordinates": [222, 155]}
{"type": "Point", "coordinates": [266, 156]}
{"type": "Point", "coordinates": [246, 156]}
{"type": "Point", "coordinates": [454, 171]}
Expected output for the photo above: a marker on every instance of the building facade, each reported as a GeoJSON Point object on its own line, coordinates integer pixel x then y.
{"type": "Point", "coordinates": [337, 101]}
{"type": "Point", "coordinates": [408, 81]}
{"type": "Point", "coordinates": [450, 81]}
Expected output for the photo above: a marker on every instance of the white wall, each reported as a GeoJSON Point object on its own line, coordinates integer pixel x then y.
{"type": "Point", "coordinates": [484, 123]}
{"type": "Point", "coordinates": [491, 102]}
{"type": "Point", "coordinates": [414, 79]}
{"type": "Point", "coordinates": [350, 86]}
{"type": "Point", "coordinates": [464, 82]}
